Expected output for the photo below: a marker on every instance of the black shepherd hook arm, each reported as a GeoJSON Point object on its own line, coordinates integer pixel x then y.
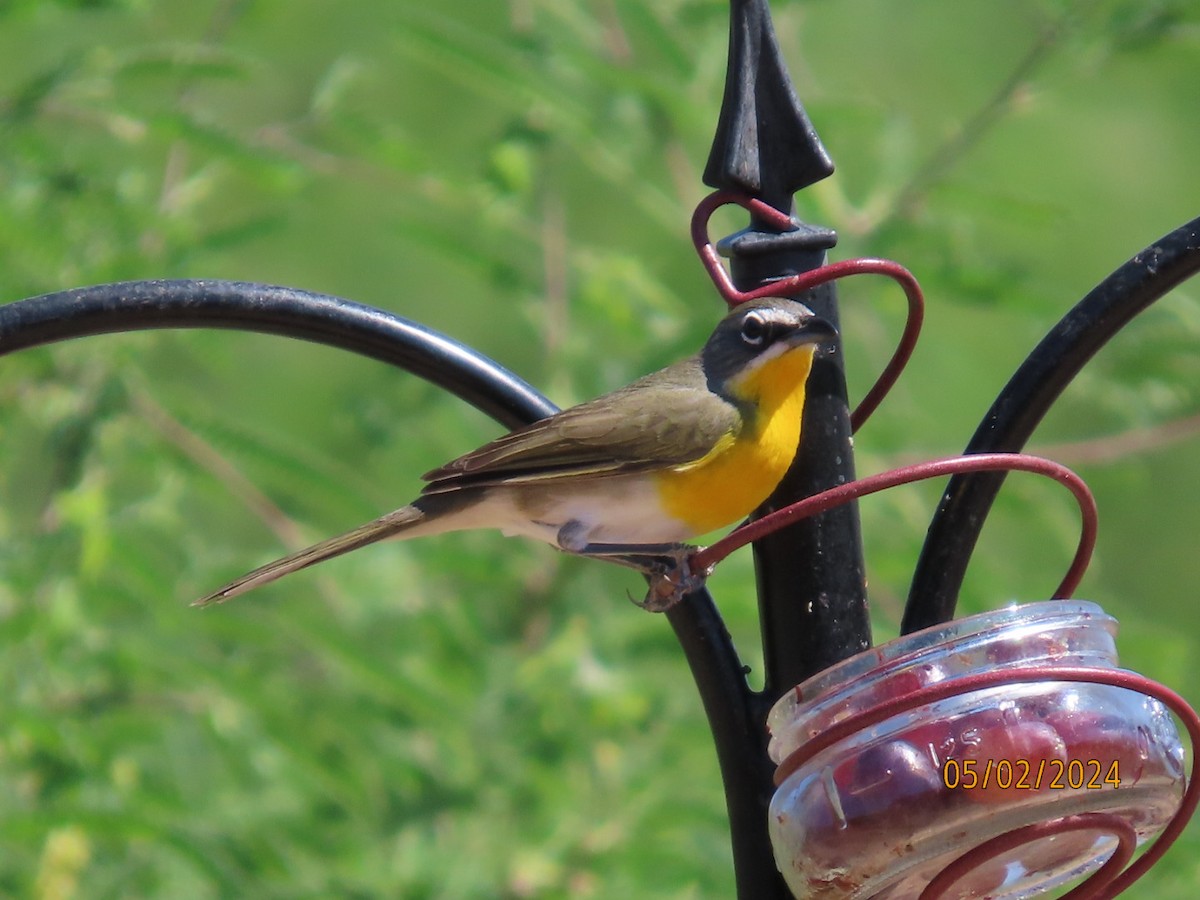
{"type": "Point", "coordinates": [1023, 403]}
{"type": "Point", "coordinates": [270, 309]}
{"type": "Point", "coordinates": [323, 319]}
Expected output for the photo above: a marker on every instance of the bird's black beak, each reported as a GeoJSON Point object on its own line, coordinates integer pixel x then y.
{"type": "Point", "coordinates": [814, 330]}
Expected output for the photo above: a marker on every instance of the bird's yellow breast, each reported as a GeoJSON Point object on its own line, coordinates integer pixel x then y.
{"type": "Point", "coordinates": [738, 474]}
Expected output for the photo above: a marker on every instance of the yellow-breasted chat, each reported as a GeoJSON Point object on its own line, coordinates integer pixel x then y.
{"type": "Point", "coordinates": [678, 453]}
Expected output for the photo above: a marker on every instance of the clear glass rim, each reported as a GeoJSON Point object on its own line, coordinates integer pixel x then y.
{"type": "Point", "coordinates": [842, 674]}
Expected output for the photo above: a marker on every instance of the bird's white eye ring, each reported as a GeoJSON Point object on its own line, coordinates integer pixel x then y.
{"type": "Point", "coordinates": [754, 330]}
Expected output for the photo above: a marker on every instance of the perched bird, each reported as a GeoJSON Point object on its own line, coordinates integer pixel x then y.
{"type": "Point", "coordinates": [629, 475]}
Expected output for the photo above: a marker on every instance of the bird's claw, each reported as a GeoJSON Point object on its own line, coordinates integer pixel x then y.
{"type": "Point", "coordinates": [671, 578]}
{"type": "Point", "coordinates": [668, 567]}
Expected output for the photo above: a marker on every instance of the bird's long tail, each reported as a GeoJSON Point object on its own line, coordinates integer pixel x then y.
{"type": "Point", "coordinates": [386, 526]}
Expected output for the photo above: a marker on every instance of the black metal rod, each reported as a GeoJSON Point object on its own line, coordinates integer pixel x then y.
{"type": "Point", "coordinates": [811, 575]}
{"type": "Point", "coordinates": [736, 717]}
{"type": "Point", "coordinates": [811, 588]}
{"type": "Point", "coordinates": [1023, 403]}
{"type": "Point", "coordinates": [284, 311]}
{"type": "Point", "coordinates": [139, 305]}
{"type": "Point", "coordinates": [811, 583]}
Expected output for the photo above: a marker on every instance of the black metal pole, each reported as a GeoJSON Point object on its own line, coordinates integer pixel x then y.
{"type": "Point", "coordinates": [811, 582]}
{"type": "Point", "coordinates": [811, 585]}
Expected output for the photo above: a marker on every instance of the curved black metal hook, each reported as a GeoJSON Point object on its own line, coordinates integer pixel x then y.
{"type": "Point", "coordinates": [720, 679]}
{"type": "Point", "coordinates": [1020, 407]}
{"type": "Point", "coordinates": [284, 311]}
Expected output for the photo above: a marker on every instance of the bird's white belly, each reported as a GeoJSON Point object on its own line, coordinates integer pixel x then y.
{"type": "Point", "coordinates": [608, 510]}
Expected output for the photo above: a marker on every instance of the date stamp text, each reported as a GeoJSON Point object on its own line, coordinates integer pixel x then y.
{"type": "Point", "coordinates": [1030, 774]}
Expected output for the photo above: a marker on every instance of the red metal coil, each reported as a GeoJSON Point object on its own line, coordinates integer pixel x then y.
{"type": "Point", "coordinates": [798, 284]}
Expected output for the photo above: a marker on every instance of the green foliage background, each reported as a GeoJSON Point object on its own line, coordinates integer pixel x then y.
{"type": "Point", "coordinates": [469, 716]}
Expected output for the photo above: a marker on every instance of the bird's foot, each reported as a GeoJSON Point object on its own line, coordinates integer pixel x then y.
{"type": "Point", "coordinates": [671, 582]}
{"type": "Point", "coordinates": [668, 568]}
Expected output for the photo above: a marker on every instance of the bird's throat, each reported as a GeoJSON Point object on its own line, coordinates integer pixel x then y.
{"type": "Point", "coordinates": [738, 474]}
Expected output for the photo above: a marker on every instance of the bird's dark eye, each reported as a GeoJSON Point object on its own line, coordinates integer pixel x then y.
{"type": "Point", "coordinates": [754, 330]}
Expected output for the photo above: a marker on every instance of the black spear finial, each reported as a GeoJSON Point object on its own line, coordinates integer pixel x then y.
{"type": "Point", "coordinates": [765, 145]}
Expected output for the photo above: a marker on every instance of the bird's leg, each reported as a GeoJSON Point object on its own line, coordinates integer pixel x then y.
{"type": "Point", "coordinates": [668, 566]}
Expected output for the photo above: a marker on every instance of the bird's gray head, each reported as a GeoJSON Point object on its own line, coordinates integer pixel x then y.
{"type": "Point", "coordinates": [758, 331]}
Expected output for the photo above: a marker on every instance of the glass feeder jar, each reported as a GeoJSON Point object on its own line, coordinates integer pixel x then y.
{"type": "Point", "coordinates": [881, 811]}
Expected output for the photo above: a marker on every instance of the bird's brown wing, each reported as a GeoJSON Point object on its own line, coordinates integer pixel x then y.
{"type": "Point", "coordinates": [669, 418]}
